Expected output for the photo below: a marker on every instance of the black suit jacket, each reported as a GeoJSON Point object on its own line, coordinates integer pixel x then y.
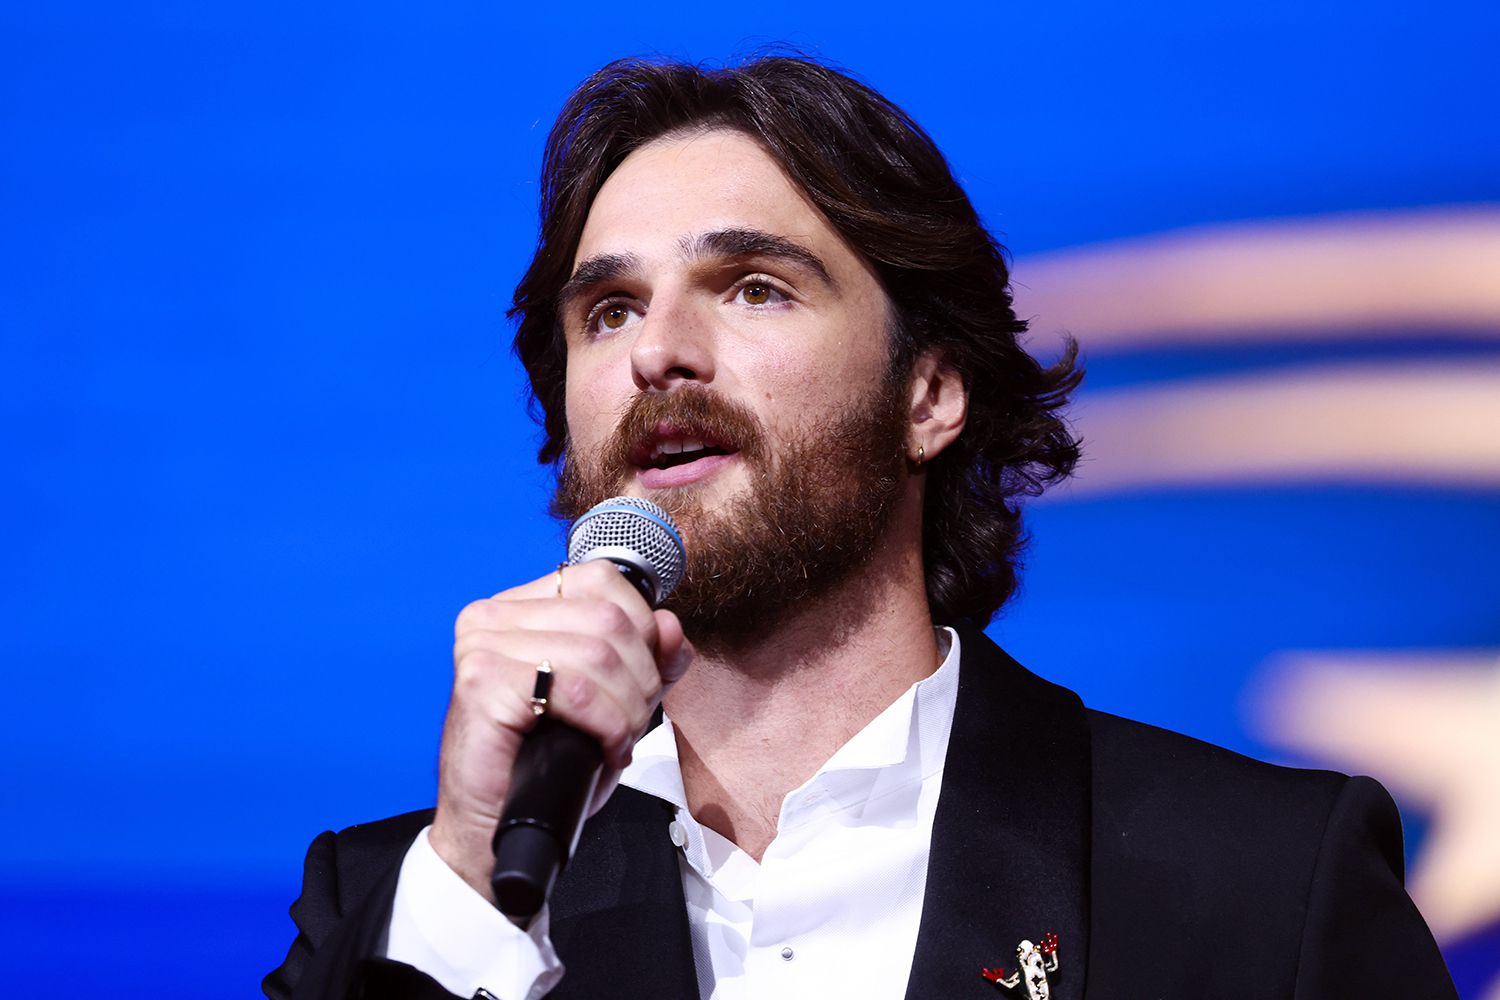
{"type": "Point", "coordinates": [1167, 867]}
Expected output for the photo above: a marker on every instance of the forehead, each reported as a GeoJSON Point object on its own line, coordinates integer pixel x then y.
{"type": "Point", "coordinates": [676, 187]}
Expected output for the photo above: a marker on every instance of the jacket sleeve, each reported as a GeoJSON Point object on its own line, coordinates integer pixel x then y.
{"type": "Point", "coordinates": [315, 912]}
{"type": "Point", "coordinates": [332, 957]}
{"type": "Point", "coordinates": [1363, 936]}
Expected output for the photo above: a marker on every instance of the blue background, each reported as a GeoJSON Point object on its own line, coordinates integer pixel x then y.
{"type": "Point", "coordinates": [264, 436]}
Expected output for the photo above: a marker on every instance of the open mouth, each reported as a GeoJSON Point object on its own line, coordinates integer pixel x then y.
{"type": "Point", "coordinates": [670, 454]}
{"type": "Point", "coordinates": [670, 447]}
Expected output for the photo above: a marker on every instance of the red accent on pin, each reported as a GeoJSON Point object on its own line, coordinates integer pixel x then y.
{"type": "Point", "coordinates": [1049, 943]}
{"type": "Point", "coordinates": [993, 975]}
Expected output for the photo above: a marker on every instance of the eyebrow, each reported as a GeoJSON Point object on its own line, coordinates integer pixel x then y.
{"type": "Point", "coordinates": [745, 242]}
{"type": "Point", "coordinates": [597, 270]}
{"type": "Point", "coordinates": [718, 243]}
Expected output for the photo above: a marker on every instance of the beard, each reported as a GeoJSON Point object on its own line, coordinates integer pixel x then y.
{"type": "Point", "coordinates": [817, 507]}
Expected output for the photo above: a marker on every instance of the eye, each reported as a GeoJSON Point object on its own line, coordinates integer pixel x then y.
{"type": "Point", "coordinates": [758, 291]}
{"type": "Point", "coordinates": [610, 315]}
{"type": "Point", "coordinates": [757, 295]}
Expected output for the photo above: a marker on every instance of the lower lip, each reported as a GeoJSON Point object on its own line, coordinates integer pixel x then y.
{"type": "Point", "coordinates": [682, 475]}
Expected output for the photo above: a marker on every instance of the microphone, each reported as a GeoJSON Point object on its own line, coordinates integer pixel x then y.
{"type": "Point", "coordinates": [558, 767]}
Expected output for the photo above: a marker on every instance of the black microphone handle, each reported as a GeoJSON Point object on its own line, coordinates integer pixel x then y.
{"type": "Point", "coordinates": [551, 787]}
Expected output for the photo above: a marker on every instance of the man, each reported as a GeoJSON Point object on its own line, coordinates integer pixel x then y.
{"type": "Point", "coordinates": [761, 299]}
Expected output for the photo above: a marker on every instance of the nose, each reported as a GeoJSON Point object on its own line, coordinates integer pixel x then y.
{"type": "Point", "coordinates": [674, 344]}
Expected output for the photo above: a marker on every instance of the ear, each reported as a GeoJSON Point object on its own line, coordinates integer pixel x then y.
{"type": "Point", "coordinates": [939, 407]}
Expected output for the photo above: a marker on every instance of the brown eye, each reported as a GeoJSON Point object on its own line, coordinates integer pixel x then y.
{"type": "Point", "coordinates": [757, 295]}
{"type": "Point", "coordinates": [614, 317]}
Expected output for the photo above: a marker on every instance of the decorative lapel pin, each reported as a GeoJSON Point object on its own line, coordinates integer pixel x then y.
{"type": "Point", "coordinates": [1033, 962]}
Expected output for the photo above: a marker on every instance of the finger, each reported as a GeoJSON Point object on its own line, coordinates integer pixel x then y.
{"type": "Point", "coordinates": [626, 627]}
{"type": "Point", "coordinates": [623, 662]}
{"type": "Point", "coordinates": [499, 689]}
{"type": "Point", "coordinates": [637, 686]}
{"type": "Point", "coordinates": [598, 578]}
{"type": "Point", "coordinates": [674, 653]}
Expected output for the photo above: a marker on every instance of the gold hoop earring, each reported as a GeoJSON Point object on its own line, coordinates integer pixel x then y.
{"type": "Point", "coordinates": [921, 455]}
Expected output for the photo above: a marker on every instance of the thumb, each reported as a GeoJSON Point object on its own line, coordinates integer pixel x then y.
{"type": "Point", "coordinates": [674, 653]}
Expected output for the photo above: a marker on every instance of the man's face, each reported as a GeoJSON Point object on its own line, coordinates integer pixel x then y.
{"type": "Point", "coordinates": [728, 357]}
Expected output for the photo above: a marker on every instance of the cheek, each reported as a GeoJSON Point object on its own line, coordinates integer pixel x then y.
{"type": "Point", "coordinates": [781, 374]}
{"type": "Point", "coordinates": [803, 384]}
{"type": "Point", "coordinates": [589, 410]}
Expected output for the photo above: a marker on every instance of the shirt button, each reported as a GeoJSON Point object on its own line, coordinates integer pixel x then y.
{"type": "Point", "coordinates": [677, 833]}
{"type": "Point", "coordinates": [786, 954]}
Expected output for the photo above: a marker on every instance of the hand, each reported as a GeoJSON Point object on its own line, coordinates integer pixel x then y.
{"type": "Point", "coordinates": [613, 659]}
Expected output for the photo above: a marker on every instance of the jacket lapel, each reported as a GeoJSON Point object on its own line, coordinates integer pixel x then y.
{"type": "Point", "coordinates": [1009, 857]}
{"type": "Point", "coordinates": [619, 921]}
{"type": "Point", "coordinates": [1010, 842]}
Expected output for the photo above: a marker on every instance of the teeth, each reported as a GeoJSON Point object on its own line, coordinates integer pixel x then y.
{"type": "Point", "coordinates": [675, 448]}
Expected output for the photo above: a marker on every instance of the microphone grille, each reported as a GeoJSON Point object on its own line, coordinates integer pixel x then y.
{"type": "Point", "coordinates": [631, 526]}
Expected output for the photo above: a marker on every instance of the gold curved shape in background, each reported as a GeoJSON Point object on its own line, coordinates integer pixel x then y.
{"type": "Point", "coordinates": [1366, 274]}
{"type": "Point", "coordinates": [1428, 422]}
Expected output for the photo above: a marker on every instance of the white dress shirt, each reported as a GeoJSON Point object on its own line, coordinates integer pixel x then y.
{"type": "Point", "coordinates": [832, 909]}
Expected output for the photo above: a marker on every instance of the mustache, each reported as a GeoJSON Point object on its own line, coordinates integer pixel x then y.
{"type": "Point", "coordinates": [587, 477]}
{"type": "Point", "coordinates": [692, 412]}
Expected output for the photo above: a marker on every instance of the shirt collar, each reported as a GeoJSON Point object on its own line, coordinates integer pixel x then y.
{"type": "Point", "coordinates": [903, 745]}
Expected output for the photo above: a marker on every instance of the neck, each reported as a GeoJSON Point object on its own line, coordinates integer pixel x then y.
{"type": "Point", "coordinates": [755, 722]}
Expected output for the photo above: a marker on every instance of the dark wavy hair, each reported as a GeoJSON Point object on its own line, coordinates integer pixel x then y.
{"type": "Point", "coordinates": [886, 188]}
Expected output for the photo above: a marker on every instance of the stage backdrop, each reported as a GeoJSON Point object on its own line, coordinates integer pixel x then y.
{"type": "Point", "coordinates": [264, 435]}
